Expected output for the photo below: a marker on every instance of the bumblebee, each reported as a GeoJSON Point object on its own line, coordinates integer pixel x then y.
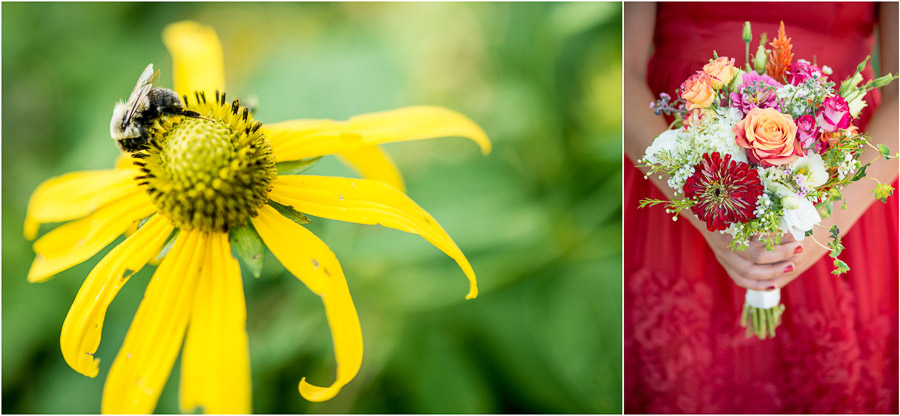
{"type": "Point", "coordinates": [132, 119]}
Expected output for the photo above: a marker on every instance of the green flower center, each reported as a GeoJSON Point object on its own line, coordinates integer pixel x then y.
{"type": "Point", "coordinates": [209, 173]}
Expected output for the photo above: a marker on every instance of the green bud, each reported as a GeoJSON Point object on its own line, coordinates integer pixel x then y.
{"type": "Point", "coordinates": [862, 65]}
{"type": "Point", "coordinates": [759, 62]}
{"type": "Point", "coordinates": [883, 80]}
{"type": "Point", "coordinates": [747, 34]}
{"type": "Point", "coordinates": [737, 81]}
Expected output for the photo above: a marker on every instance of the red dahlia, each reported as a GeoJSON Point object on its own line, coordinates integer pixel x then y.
{"type": "Point", "coordinates": [724, 191]}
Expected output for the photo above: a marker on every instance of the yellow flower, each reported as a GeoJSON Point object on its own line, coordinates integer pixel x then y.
{"type": "Point", "coordinates": [198, 179]}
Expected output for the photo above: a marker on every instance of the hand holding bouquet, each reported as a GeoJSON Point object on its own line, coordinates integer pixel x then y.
{"type": "Point", "coordinates": [764, 151]}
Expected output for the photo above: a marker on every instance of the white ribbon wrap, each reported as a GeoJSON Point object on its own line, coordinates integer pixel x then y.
{"type": "Point", "coordinates": [763, 300]}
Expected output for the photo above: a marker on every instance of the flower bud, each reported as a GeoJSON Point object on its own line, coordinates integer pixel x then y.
{"type": "Point", "coordinates": [883, 80]}
{"type": "Point", "coordinates": [862, 65]}
{"type": "Point", "coordinates": [759, 62]}
{"type": "Point", "coordinates": [747, 34]}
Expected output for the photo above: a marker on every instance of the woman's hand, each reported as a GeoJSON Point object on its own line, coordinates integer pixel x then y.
{"type": "Point", "coordinates": [756, 267]}
{"type": "Point", "coordinates": [760, 269]}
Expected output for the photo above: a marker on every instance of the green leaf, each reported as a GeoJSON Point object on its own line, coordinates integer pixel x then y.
{"type": "Point", "coordinates": [168, 244]}
{"type": "Point", "coordinates": [885, 151]}
{"type": "Point", "coordinates": [835, 231]}
{"type": "Point", "coordinates": [840, 267]}
{"type": "Point", "coordinates": [861, 173]}
{"type": "Point", "coordinates": [296, 167]}
{"type": "Point", "coordinates": [827, 208]}
{"type": "Point", "coordinates": [291, 213]}
{"type": "Point", "coordinates": [248, 246]}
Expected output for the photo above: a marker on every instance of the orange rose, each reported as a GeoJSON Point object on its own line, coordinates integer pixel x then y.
{"type": "Point", "coordinates": [829, 139]}
{"type": "Point", "coordinates": [720, 71]}
{"type": "Point", "coordinates": [769, 137]}
{"type": "Point", "coordinates": [698, 91]}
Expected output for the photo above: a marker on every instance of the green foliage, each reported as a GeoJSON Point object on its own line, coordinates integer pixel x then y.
{"type": "Point", "coordinates": [296, 167]}
{"type": "Point", "coordinates": [882, 191]}
{"type": "Point", "coordinates": [290, 213]}
{"type": "Point", "coordinates": [246, 243]}
{"type": "Point", "coordinates": [538, 218]}
{"type": "Point", "coordinates": [840, 267]}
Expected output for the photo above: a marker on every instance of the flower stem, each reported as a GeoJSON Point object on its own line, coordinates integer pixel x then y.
{"type": "Point", "coordinates": [820, 244]}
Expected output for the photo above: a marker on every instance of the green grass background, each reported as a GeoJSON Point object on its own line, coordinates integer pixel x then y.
{"type": "Point", "coordinates": [538, 218]}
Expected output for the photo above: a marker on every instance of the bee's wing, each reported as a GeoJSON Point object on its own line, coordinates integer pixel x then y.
{"type": "Point", "coordinates": [141, 89]}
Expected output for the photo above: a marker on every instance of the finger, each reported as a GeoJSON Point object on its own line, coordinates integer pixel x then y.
{"type": "Point", "coordinates": [768, 271]}
{"type": "Point", "coordinates": [783, 252]}
{"type": "Point", "coordinates": [760, 285]}
{"type": "Point", "coordinates": [763, 277]}
{"type": "Point", "coordinates": [783, 280]}
{"type": "Point", "coordinates": [788, 238]}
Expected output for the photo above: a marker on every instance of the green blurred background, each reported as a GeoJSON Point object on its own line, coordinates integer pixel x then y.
{"type": "Point", "coordinates": [538, 218]}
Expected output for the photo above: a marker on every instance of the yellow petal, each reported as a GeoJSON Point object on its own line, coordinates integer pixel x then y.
{"type": "Point", "coordinates": [75, 242]}
{"type": "Point", "coordinates": [367, 202]}
{"type": "Point", "coordinates": [215, 364]}
{"type": "Point", "coordinates": [196, 57]}
{"type": "Point", "coordinates": [373, 163]}
{"type": "Point", "coordinates": [311, 261]}
{"type": "Point", "coordinates": [75, 195]}
{"type": "Point", "coordinates": [143, 364]}
{"type": "Point", "coordinates": [300, 139]}
{"type": "Point", "coordinates": [83, 326]}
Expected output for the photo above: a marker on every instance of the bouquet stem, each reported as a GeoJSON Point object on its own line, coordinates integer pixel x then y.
{"type": "Point", "coordinates": [762, 313]}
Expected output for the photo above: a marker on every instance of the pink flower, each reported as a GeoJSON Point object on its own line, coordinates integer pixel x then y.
{"type": "Point", "coordinates": [802, 70]}
{"type": "Point", "coordinates": [834, 115]}
{"type": "Point", "coordinates": [807, 131]}
{"type": "Point", "coordinates": [757, 91]}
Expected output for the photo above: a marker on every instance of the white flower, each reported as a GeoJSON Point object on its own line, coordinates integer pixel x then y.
{"type": "Point", "coordinates": [801, 219]}
{"type": "Point", "coordinates": [847, 166]}
{"type": "Point", "coordinates": [812, 167]}
{"type": "Point", "coordinates": [855, 102]}
{"type": "Point", "coordinates": [773, 179]}
{"type": "Point", "coordinates": [665, 142]}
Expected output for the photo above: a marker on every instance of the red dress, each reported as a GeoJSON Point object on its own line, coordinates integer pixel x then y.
{"type": "Point", "coordinates": [684, 349]}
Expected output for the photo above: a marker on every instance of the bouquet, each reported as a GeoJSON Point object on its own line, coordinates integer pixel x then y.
{"type": "Point", "coordinates": [764, 151]}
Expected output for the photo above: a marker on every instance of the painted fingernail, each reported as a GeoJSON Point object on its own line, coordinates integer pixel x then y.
{"type": "Point", "coordinates": [789, 268]}
{"type": "Point", "coordinates": [771, 288]}
{"type": "Point", "coordinates": [798, 250]}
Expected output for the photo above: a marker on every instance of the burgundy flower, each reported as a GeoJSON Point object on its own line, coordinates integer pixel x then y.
{"type": "Point", "coordinates": [724, 190]}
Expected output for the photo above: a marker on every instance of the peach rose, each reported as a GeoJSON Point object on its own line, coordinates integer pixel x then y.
{"type": "Point", "coordinates": [720, 71]}
{"type": "Point", "coordinates": [769, 137]}
{"type": "Point", "coordinates": [698, 91]}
